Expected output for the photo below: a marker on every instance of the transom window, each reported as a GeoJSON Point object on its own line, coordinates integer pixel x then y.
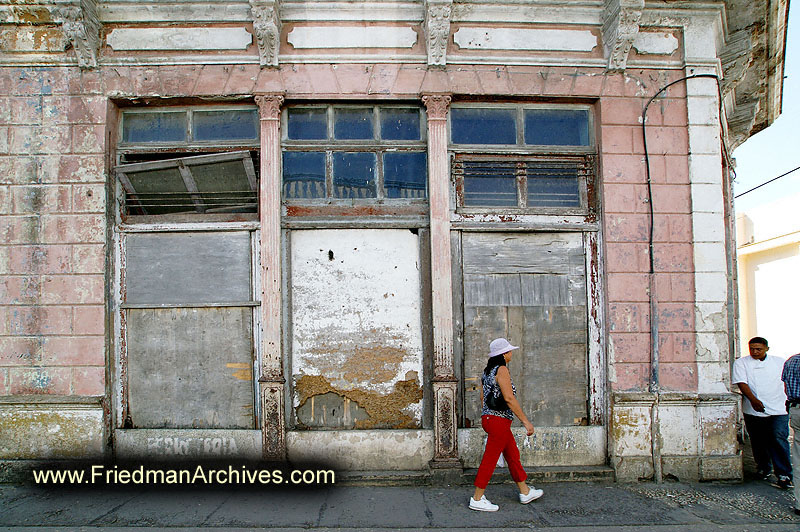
{"type": "Point", "coordinates": [179, 161]}
{"type": "Point", "coordinates": [334, 152]}
{"type": "Point", "coordinates": [522, 157]}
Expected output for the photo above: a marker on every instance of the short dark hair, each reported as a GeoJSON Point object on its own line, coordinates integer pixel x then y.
{"type": "Point", "coordinates": [758, 340]}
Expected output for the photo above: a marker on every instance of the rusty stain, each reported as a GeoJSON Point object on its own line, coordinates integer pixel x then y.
{"type": "Point", "coordinates": [357, 210]}
{"type": "Point", "coordinates": [31, 15]}
{"type": "Point", "coordinates": [245, 372]}
{"type": "Point", "coordinates": [385, 411]}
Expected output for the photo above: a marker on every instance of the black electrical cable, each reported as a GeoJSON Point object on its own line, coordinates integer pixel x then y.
{"type": "Point", "coordinates": [767, 182]}
{"type": "Point", "coordinates": [647, 157]}
{"type": "Point", "coordinates": [654, 340]}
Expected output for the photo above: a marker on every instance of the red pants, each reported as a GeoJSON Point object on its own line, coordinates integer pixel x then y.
{"type": "Point", "coordinates": [500, 440]}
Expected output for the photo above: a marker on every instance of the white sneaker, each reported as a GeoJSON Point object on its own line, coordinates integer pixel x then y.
{"type": "Point", "coordinates": [482, 505]}
{"type": "Point", "coordinates": [532, 495]}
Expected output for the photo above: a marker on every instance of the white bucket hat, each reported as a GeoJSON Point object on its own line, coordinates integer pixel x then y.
{"type": "Point", "coordinates": [499, 346]}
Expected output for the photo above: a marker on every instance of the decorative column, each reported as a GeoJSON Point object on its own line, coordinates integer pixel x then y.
{"type": "Point", "coordinates": [271, 380]}
{"type": "Point", "coordinates": [444, 382]}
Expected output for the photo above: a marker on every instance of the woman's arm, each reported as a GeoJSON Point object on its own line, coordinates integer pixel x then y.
{"type": "Point", "coordinates": [504, 381]}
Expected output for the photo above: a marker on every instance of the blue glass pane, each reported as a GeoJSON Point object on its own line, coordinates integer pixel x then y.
{"type": "Point", "coordinates": [154, 127]}
{"type": "Point", "coordinates": [303, 174]}
{"type": "Point", "coordinates": [405, 174]}
{"type": "Point", "coordinates": [553, 185]}
{"type": "Point", "coordinates": [307, 124]}
{"type": "Point", "coordinates": [483, 126]}
{"type": "Point", "coordinates": [354, 175]}
{"type": "Point", "coordinates": [557, 127]}
{"type": "Point", "coordinates": [353, 124]}
{"type": "Point", "coordinates": [400, 124]}
{"type": "Point", "coordinates": [225, 125]}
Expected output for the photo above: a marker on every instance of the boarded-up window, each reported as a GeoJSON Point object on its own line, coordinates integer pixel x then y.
{"type": "Point", "coordinates": [189, 329]}
{"type": "Point", "coordinates": [531, 289]}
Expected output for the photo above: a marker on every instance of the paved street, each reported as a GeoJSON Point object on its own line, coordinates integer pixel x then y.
{"type": "Point", "coordinates": [565, 507]}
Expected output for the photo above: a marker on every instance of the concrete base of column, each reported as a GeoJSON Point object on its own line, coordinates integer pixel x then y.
{"type": "Point", "coordinates": [447, 471]}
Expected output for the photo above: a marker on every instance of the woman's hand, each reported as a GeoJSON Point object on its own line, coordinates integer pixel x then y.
{"type": "Point", "coordinates": [528, 427]}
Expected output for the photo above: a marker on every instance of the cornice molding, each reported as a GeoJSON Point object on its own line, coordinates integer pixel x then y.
{"type": "Point", "coordinates": [267, 28]}
{"type": "Point", "coordinates": [437, 30]}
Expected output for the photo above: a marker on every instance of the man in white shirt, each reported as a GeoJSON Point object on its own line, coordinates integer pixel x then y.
{"type": "Point", "coordinates": [764, 409]}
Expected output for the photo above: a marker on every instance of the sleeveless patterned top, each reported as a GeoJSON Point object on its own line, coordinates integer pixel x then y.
{"type": "Point", "coordinates": [490, 386]}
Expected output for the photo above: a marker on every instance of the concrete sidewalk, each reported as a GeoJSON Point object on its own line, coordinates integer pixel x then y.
{"type": "Point", "coordinates": [566, 506]}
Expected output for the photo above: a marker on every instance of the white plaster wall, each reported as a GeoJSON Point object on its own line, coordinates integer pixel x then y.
{"type": "Point", "coordinates": [355, 291]}
{"type": "Point", "coordinates": [355, 450]}
{"type": "Point", "coordinates": [50, 432]}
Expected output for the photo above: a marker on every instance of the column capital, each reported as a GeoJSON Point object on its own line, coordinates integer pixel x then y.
{"type": "Point", "coordinates": [269, 105]}
{"type": "Point", "coordinates": [436, 105]}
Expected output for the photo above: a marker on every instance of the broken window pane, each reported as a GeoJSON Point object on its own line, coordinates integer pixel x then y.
{"type": "Point", "coordinates": [404, 174]}
{"type": "Point", "coordinates": [553, 185]}
{"type": "Point", "coordinates": [354, 175]}
{"type": "Point", "coordinates": [557, 127]}
{"type": "Point", "coordinates": [154, 127]}
{"type": "Point", "coordinates": [225, 125]}
{"type": "Point", "coordinates": [307, 124]}
{"type": "Point", "coordinates": [483, 126]}
{"type": "Point", "coordinates": [490, 183]}
{"type": "Point", "coordinates": [353, 124]}
{"type": "Point", "coordinates": [303, 174]}
{"type": "Point", "coordinates": [158, 192]}
{"type": "Point", "coordinates": [400, 124]}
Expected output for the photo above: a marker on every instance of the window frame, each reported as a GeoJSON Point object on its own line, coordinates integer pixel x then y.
{"type": "Point", "coordinates": [189, 143]}
{"type": "Point", "coordinates": [375, 145]}
{"type": "Point", "coordinates": [584, 156]}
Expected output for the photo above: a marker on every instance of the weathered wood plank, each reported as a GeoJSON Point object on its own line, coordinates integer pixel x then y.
{"type": "Point", "coordinates": [547, 253]}
{"type": "Point", "coordinates": [191, 368]}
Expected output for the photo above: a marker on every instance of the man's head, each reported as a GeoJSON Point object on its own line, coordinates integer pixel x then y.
{"type": "Point", "coordinates": [758, 347]}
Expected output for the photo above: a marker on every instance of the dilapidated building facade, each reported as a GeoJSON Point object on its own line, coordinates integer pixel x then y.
{"type": "Point", "coordinates": [289, 229]}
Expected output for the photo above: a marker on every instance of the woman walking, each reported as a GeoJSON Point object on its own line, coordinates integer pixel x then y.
{"type": "Point", "coordinates": [499, 407]}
